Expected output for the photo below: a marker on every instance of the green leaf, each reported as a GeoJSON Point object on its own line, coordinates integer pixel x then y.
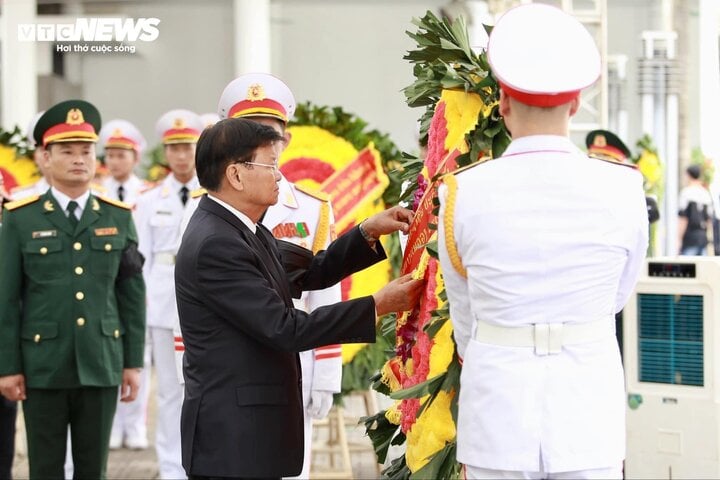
{"type": "Point", "coordinates": [381, 433]}
{"type": "Point", "coordinates": [419, 390]}
{"type": "Point", "coordinates": [433, 327]}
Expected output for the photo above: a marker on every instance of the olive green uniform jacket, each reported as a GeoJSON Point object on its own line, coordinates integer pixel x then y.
{"type": "Point", "coordinates": [72, 301]}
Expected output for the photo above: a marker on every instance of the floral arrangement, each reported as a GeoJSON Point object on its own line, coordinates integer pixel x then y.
{"type": "Point", "coordinates": [460, 125]}
{"type": "Point", "coordinates": [16, 164]}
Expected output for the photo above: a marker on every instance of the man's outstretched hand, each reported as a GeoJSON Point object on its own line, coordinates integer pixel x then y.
{"type": "Point", "coordinates": [391, 220]}
{"type": "Point", "coordinates": [399, 295]}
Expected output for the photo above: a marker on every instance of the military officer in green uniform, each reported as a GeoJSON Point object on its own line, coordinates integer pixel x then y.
{"type": "Point", "coordinates": [72, 302]}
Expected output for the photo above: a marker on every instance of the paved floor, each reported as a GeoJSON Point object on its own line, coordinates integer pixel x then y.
{"type": "Point", "coordinates": [142, 464]}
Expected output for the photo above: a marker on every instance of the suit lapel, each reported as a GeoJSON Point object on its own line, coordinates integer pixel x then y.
{"type": "Point", "coordinates": [269, 268]}
{"type": "Point", "coordinates": [54, 213]}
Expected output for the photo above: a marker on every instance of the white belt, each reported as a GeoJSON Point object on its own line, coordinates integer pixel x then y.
{"type": "Point", "coordinates": [164, 258]}
{"type": "Point", "coordinates": [547, 338]}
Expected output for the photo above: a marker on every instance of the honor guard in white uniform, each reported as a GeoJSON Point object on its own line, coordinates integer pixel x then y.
{"type": "Point", "coordinates": [303, 217]}
{"type": "Point", "coordinates": [122, 144]}
{"type": "Point", "coordinates": [539, 249]}
{"type": "Point", "coordinates": [159, 212]}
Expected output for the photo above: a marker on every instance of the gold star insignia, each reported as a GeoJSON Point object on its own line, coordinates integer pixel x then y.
{"type": "Point", "coordinates": [74, 117]}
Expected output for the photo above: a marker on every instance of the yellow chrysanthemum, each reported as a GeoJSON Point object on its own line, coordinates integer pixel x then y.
{"type": "Point", "coordinates": [461, 114]}
{"type": "Point", "coordinates": [432, 430]}
{"type": "Point", "coordinates": [310, 142]}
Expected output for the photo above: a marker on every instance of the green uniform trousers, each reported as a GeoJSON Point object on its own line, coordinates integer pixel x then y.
{"type": "Point", "coordinates": [88, 410]}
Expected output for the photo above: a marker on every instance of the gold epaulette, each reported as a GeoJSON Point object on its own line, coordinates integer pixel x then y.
{"type": "Point", "coordinates": [322, 196]}
{"type": "Point", "coordinates": [614, 161]}
{"type": "Point", "coordinates": [450, 244]}
{"type": "Point", "coordinates": [198, 192]}
{"type": "Point", "coordinates": [114, 202]}
{"type": "Point", "coordinates": [22, 202]}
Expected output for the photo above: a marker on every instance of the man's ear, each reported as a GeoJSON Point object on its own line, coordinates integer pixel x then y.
{"type": "Point", "coordinates": [234, 178]}
{"type": "Point", "coordinates": [46, 157]}
{"type": "Point", "coordinates": [504, 107]}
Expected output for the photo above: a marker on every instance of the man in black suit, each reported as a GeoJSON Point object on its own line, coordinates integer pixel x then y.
{"type": "Point", "coordinates": [243, 414]}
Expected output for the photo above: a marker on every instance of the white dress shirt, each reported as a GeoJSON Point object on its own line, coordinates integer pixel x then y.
{"type": "Point", "coordinates": [63, 201]}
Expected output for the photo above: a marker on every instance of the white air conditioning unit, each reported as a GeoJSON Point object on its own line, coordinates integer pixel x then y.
{"type": "Point", "coordinates": [672, 337]}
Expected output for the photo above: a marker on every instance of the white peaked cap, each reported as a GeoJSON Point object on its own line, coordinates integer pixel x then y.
{"type": "Point", "coordinates": [542, 56]}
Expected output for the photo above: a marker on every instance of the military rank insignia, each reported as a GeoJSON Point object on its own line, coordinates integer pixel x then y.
{"type": "Point", "coordinates": [289, 230]}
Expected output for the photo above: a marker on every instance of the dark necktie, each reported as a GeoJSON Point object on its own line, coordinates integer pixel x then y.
{"type": "Point", "coordinates": [184, 195]}
{"type": "Point", "coordinates": [72, 205]}
{"type": "Point", "coordinates": [121, 193]}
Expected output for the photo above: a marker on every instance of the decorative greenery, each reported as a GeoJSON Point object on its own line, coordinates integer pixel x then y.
{"type": "Point", "coordinates": [445, 60]}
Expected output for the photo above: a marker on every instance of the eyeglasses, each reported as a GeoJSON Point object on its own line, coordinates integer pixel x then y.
{"type": "Point", "coordinates": [274, 166]}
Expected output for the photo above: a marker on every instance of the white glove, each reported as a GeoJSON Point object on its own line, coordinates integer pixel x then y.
{"type": "Point", "coordinates": [320, 403]}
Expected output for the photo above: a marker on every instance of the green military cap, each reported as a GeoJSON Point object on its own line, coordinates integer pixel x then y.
{"type": "Point", "coordinates": [605, 144]}
{"type": "Point", "coordinates": [68, 121]}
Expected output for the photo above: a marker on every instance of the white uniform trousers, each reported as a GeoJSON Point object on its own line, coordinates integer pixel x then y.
{"type": "Point", "coordinates": [477, 473]}
{"type": "Point", "coordinates": [169, 404]}
{"type": "Point", "coordinates": [130, 421]}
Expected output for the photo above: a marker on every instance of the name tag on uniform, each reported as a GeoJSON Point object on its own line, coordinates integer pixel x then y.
{"type": "Point", "coordinates": [44, 234]}
{"type": "Point", "coordinates": [104, 232]}
{"type": "Point", "coordinates": [162, 212]}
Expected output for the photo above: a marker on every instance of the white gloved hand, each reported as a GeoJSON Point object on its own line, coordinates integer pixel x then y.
{"type": "Point", "coordinates": [320, 403]}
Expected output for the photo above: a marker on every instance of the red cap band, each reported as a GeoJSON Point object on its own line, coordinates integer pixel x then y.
{"type": "Point", "coordinates": [540, 99]}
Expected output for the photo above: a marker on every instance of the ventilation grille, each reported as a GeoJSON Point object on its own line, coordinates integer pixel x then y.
{"type": "Point", "coordinates": [670, 339]}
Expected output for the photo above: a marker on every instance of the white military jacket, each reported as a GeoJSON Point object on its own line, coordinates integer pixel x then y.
{"type": "Point", "coordinates": [546, 235]}
{"type": "Point", "coordinates": [132, 187]}
{"type": "Point", "coordinates": [158, 214]}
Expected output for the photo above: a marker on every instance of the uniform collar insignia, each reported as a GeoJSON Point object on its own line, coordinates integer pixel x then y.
{"type": "Point", "coordinates": [165, 191]}
{"type": "Point", "coordinates": [95, 205]}
{"type": "Point", "coordinates": [48, 206]}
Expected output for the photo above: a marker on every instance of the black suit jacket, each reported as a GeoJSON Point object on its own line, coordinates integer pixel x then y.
{"type": "Point", "coordinates": [242, 415]}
